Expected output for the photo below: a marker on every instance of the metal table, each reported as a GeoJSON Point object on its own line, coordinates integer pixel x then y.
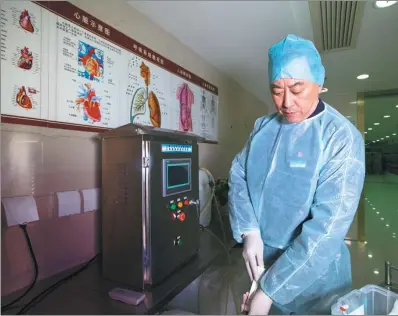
{"type": "Point", "coordinates": [87, 293]}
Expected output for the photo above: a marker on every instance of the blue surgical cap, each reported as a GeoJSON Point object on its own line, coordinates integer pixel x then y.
{"type": "Point", "coordinates": [295, 57]}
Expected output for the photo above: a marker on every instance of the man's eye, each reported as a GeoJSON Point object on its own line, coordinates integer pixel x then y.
{"type": "Point", "coordinates": [295, 92]}
{"type": "Point", "coordinates": [277, 92]}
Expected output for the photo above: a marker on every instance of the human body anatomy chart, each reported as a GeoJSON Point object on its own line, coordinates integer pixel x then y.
{"type": "Point", "coordinates": [68, 69]}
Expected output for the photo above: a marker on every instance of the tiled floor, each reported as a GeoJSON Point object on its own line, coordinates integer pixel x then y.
{"type": "Point", "coordinates": [381, 218]}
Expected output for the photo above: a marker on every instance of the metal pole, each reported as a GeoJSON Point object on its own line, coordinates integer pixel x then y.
{"type": "Point", "coordinates": [387, 271]}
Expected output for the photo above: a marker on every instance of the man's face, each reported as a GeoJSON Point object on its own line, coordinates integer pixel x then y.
{"type": "Point", "coordinates": [295, 99]}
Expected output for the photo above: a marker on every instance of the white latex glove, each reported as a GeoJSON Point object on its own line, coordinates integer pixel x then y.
{"type": "Point", "coordinates": [259, 304]}
{"type": "Point", "coordinates": [253, 249]}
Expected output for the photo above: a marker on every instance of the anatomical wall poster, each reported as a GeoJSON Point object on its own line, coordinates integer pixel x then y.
{"type": "Point", "coordinates": [67, 69]}
{"type": "Point", "coordinates": [147, 93]}
{"type": "Point", "coordinates": [21, 38]}
{"type": "Point", "coordinates": [87, 77]}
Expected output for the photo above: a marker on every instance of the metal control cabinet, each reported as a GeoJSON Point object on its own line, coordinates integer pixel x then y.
{"type": "Point", "coordinates": [150, 226]}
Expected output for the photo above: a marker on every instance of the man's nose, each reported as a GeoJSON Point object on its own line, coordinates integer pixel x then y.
{"type": "Point", "coordinates": [287, 100]}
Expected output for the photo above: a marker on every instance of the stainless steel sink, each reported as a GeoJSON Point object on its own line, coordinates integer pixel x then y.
{"type": "Point", "coordinates": [389, 284]}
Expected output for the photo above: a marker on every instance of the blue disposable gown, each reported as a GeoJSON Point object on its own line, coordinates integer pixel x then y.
{"type": "Point", "coordinates": [300, 185]}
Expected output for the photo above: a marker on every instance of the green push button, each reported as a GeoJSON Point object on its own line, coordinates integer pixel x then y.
{"type": "Point", "coordinates": [179, 242]}
{"type": "Point", "coordinates": [173, 207]}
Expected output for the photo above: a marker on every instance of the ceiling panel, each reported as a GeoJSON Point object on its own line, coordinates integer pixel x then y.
{"type": "Point", "coordinates": [235, 37]}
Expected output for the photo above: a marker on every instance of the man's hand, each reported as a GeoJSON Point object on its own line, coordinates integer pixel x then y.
{"type": "Point", "coordinates": [260, 304]}
{"type": "Point", "coordinates": [253, 249]}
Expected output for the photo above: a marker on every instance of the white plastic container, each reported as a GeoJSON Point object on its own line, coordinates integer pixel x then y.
{"type": "Point", "coordinates": [205, 197]}
{"type": "Point", "coordinates": [369, 300]}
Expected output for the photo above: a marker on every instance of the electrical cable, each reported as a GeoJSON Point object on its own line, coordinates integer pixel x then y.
{"type": "Point", "coordinates": [39, 297]}
{"type": "Point", "coordinates": [36, 271]}
{"type": "Point", "coordinates": [224, 244]}
{"type": "Point", "coordinates": [213, 197]}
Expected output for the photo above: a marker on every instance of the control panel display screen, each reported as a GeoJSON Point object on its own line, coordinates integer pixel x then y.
{"type": "Point", "coordinates": [176, 176]}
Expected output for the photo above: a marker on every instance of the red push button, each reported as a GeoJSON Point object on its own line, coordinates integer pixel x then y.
{"type": "Point", "coordinates": [181, 216]}
{"type": "Point", "coordinates": [173, 216]}
{"type": "Point", "coordinates": [186, 202]}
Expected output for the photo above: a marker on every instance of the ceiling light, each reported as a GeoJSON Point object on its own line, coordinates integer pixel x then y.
{"type": "Point", "coordinates": [382, 218]}
{"type": "Point", "coordinates": [396, 106]}
{"type": "Point", "coordinates": [387, 136]}
{"type": "Point", "coordinates": [363, 76]}
{"type": "Point", "coordinates": [324, 90]}
{"type": "Point", "coordinates": [384, 4]}
{"type": "Point", "coordinates": [376, 124]}
{"type": "Point", "coordinates": [366, 132]}
{"type": "Point", "coordinates": [374, 208]}
{"type": "Point", "coordinates": [387, 225]}
{"type": "Point", "coordinates": [370, 255]}
{"type": "Point", "coordinates": [348, 116]}
{"type": "Point", "coordinates": [378, 140]}
{"type": "Point", "coordinates": [353, 102]}
{"type": "Point", "coordinates": [369, 129]}
{"type": "Point", "coordinates": [376, 271]}
{"type": "Point", "coordinates": [394, 134]}
{"type": "Point", "coordinates": [377, 212]}
{"type": "Point", "coordinates": [393, 236]}
{"type": "Point", "coordinates": [382, 138]}
{"type": "Point", "coordinates": [386, 116]}
{"type": "Point", "coordinates": [374, 141]}
{"type": "Point", "coordinates": [365, 242]}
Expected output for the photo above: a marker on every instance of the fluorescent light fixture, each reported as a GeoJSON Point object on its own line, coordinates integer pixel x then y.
{"type": "Point", "coordinates": [394, 134]}
{"type": "Point", "coordinates": [376, 271]}
{"type": "Point", "coordinates": [386, 116]}
{"type": "Point", "coordinates": [377, 212]}
{"type": "Point", "coordinates": [387, 136]}
{"type": "Point", "coordinates": [382, 218]}
{"type": "Point", "coordinates": [363, 76]}
{"type": "Point", "coordinates": [384, 4]}
{"type": "Point", "coordinates": [369, 129]}
{"type": "Point", "coordinates": [387, 225]}
{"type": "Point", "coordinates": [370, 255]}
{"type": "Point", "coordinates": [324, 90]}
{"type": "Point", "coordinates": [382, 138]}
{"type": "Point", "coordinates": [374, 208]}
{"type": "Point", "coordinates": [353, 102]}
{"type": "Point", "coordinates": [396, 106]}
{"type": "Point", "coordinates": [376, 124]}
{"type": "Point", "coordinates": [348, 116]}
{"type": "Point", "coordinates": [374, 141]}
{"type": "Point", "coordinates": [366, 132]}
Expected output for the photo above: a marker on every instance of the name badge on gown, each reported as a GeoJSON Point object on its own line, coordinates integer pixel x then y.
{"type": "Point", "coordinates": [299, 162]}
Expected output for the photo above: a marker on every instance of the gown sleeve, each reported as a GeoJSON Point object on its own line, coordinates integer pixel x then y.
{"type": "Point", "coordinates": [241, 212]}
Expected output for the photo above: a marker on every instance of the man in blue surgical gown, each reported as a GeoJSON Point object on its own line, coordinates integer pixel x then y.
{"type": "Point", "coordinates": [295, 188]}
